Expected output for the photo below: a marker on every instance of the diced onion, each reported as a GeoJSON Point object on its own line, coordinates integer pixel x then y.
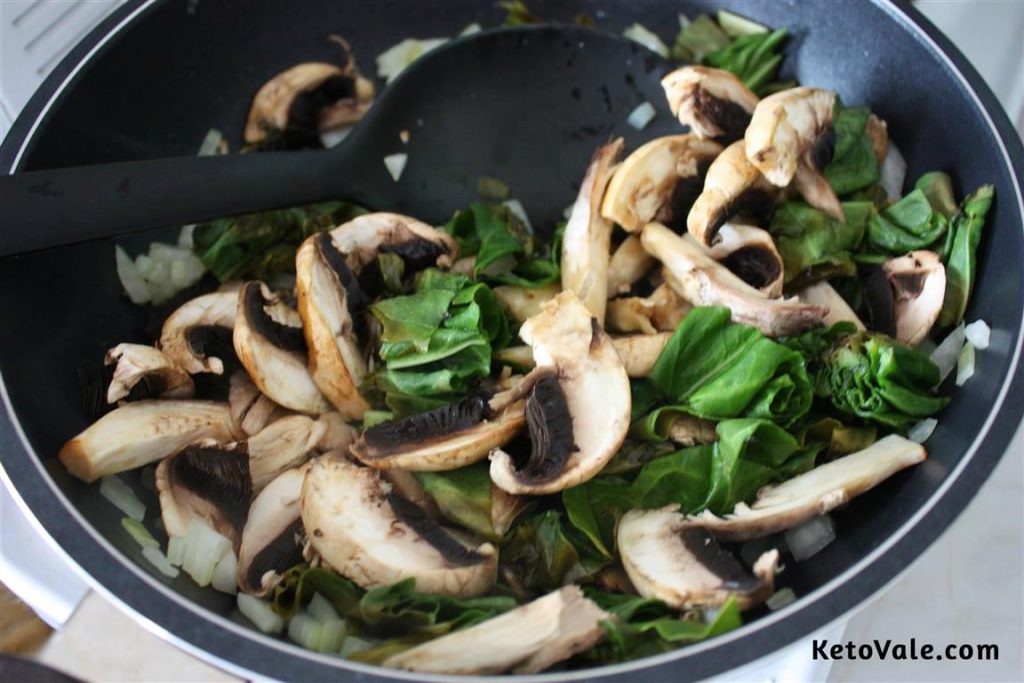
{"type": "Point", "coordinates": [736, 25]}
{"type": "Point", "coordinates": [176, 550]}
{"type": "Point", "coordinates": [945, 354]}
{"type": "Point", "coordinates": [979, 334]}
{"type": "Point", "coordinates": [321, 609]}
{"type": "Point", "coordinates": [393, 61]}
{"type": "Point", "coordinates": [212, 143]}
{"type": "Point", "coordinates": [114, 489]}
{"type": "Point", "coordinates": [641, 34]}
{"type": "Point", "coordinates": [306, 631]}
{"type": "Point", "coordinates": [139, 533]}
{"type": "Point", "coordinates": [354, 644]}
{"type": "Point", "coordinates": [684, 21]}
{"type": "Point", "coordinates": [224, 574]}
{"type": "Point", "coordinates": [921, 431]}
{"type": "Point", "coordinates": [159, 560]}
{"type": "Point", "coordinates": [260, 613]}
{"type": "Point", "coordinates": [517, 208]}
{"type": "Point", "coordinates": [471, 29]}
{"type": "Point", "coordinates": [334, 136]}
{"type": "Point", "coordinates": [780, 599]}
{"type": "Point", "coordinates": [642, 115]}
{"type": "Point", "coordinates": [753, 549]}
{"type": "Point", "coordinates": [395, 163]}
{"type": "Point", "coordinates": [134, 284]}
{"type": "Point", "coordinates": [965, 364]}
{"type": "Point", "coordinates": [185, 236]}
{"type": "Point", "coordinates": [893, 172]}
{"type": "Point", "coordinates": [332, 635]}
{"type": "Point", "coordinates": [159, 274]}
{"type": "Point", "coordinates": [204, 548]}
{"type": "Point", "coordinates": [810, 538]}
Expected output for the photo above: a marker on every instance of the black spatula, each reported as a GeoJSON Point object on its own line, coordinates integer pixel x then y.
{"type": "Point", "coordinates": [525, 105]}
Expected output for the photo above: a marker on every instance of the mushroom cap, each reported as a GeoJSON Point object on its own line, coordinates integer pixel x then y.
{"type": "Point", "coordinates": [526, 640]}
{"type": "Point", "coordinates": [751, 255]}
{"type": "Point", "coordinates": [142, 432]}
{"type": "Point", "coordinates": [714, 103]}
{"type": "Point", "coordinates": [672, 559]}
{"type": "Point", "coordinates": [638, 352]}
{"type": "Point", "coordinates": [191, 323]}
{"type": "Point", "coordinates": [918, 282]}
{"type": "Point", "coordinates": [732, 187]}
{"type": "Point", "coordinates": [137, 363]}
{"type": "Point", "coordinates": [659, 181]}
{"type": "Point", "coordinates": [419, 244]}
{"type": "Point", "coordinates": [580, 406]}
{"type": "Point", "coordinates": [274, 354]}
{"type": "Point", "coordinates": [375, 537]}
{"type": "Point", "coordinates": [586, 242]}
{"type": "Point", "coordinates": [784, 128]}
{"type": "Point", "coordinates": [270, 542]}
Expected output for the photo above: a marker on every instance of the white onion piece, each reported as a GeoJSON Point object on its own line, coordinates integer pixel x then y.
{"type": "Point", "coordinates": [893, 172]}
{"type": "Point", "coordinates": [159, 560]}
{"type": "Point", "coordinates": [395, 163]}
{"type": "Point", "coordinates": [260, 613]}
{"type": "Point", "coordinates": [224, 574]}
{"type": "Point", "coordinates": [979, 334]}
{"type": "Point", "coordinates": [131, 279]}
{"type": "Point", "coordinates": [393, 61]}
{"type": "Point", "coordinates": [921, 431]}
{"type": "Point", "coordinates": [810, 538]}
{"type": "Point", "coordinates": [780, 599]}
{"type": "Point", "coordinates": [641, 116]}
{"type": "Point", "coordinates": [471, 29]}
{"type": "Point", "coordinates": [139, 533]}
{"type": "Point", "coordinates": [204, 548]}
{"type": "Point", "coordinates": [965, 364]}
{"type": "Point", "coordinates": [519, 211]}
{"type": "Point", "coordinates": [176, 550]}
{"type": "Point", "coordinates": [945, 354]}
{"type": "Point", "coordinates": [643, 35]}
{"type": "Point", "coordinates": [211, 143]}
{"type": "Point", "coordinates": [332, 635]}
{"type": "Point", "coordinates": [114, 489]}
{"type": "Point", "coordinates": [305, 630]}
{"type": "Point", "coordinates": [354, 644]}
{"type": "Point", "coordinates": [334, 136]}
{"type": "Point", "coordinates": [321, 609]}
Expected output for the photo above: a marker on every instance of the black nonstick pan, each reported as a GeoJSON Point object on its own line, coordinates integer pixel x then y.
{"type": "Point", "coordinates": [153, 78]}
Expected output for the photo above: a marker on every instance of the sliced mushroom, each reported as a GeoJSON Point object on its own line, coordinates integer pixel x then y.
{"type": "Point", "coordinates": [750, 253]}
{"type": "Point", "coordinates": [408, 486]}
{"type": "Point", "coordinates": [790, 136]}
{"type": "Point", "coordinates": [142, 432]}
{"type": "Point", "coordinates": [578, 409]}
{"type": "Point", "coordinates": [197, 328]}
{"type": "Point", "coordinates": [918, 282]}
{"type": "Point", "coordinates": [628, 265]}
{"type": "Point", "coordinates": [338, 434]}
{"type": "Point", "coordinates": [714, 103]}
{"type": "Point", "coordinates": [209, 482]}
{"type": "Point", "coordinates": [816, 492]}
{"type": "Point", "coordinates": [659, 182]}
{"type": "Point", "coordinates": [526, 640]}
{"type": "Point", "coordinates": [661, 311]}
{"type": "Point", "coordinates": [283, 445]}
{"type": "Point", "coordinates": [445, 438]}
{"type": "Point", "coordinates": [524, 302]}
{"type": "Point", "coordinates": [878, 132]}
{"type": "Point", "coordinates": [704, 282]}
{"type": "Point", "coordinates": [638, 352]}
{"type": "Point", "coordinates": [271, 540]}
{"type": "Point", "coordinates": [587, 240]}
{"type": "Point", "coordinates": [299, 102]}
{"type": "Point", "coordinates": [734, 191]}
{"type": "Point", "coordinates": [375, 537]}
{"type": "Point", "coordinates": [687, 430]}
{"type": "Point", "coordinates": [251, 411]}
{"type": "Point", "coordinates": [418, 244]}
{"type": "Point", "coordinates": [274, 354]}
{"type": "Point", "coordinates": [136, 363]}
{"type": "Point", "coordinates": [823, 294]}
{"type": "Point", "coordinates": [670, 558]}
{"type": "Point", "coordinates": [505, 509]}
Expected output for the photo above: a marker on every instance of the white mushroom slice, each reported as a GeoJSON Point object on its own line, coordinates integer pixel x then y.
{"type": "Point", "coordinates": [816, 492]}
{"type": "Point", "coordinates": [823, 294]}
{"type": "Point", "coordinates": [505, 509]}
{"type": "Point", "coordinates": [375, 537]}
{"type": "Point", "coordinates": [918, 282]}
{"type": "Point", "coordinates": [588, 234]}
{"type": "Point", "coordinates": [139, 363]}
{"type": "Point", "coordinates": [578, 408]}
{"type": "Point", "coordinates": [704, 282]}
{"type": "Point", "coordinates": [283, 445]}
{"type": "Point", "coordinates": [274, 354]}
{"type": "Point", "coordinates": [209, 482]}
{"type": "Point", "coordinates": [526, 640]}
{"type": "Point", "coordinates": [672, 559]}
{"type": "Point", "coordinates": [790, 137]}
{"type": "Point", "coordinates": [271, 540]}
{"type": "Point", "coordinates": [878, 132]}
{"type": "Point", "coordinates": [251, 411]}
{"type": "Point", "coordinates": [714, 103]}
{"type": "Point", "coordinates": [444, 438]}
{"type": "Point", "coordinates": [734, 190]}
{"type": "Point", "coordinates": [308, 98]}
{"type": "Point", "coordinates": [419, 245]}
{"type": "Point", "coordinates": [629, 263]}
{"type": "Point", "coordinates": [659, 182]}
{"type": "Point", "coordinates": [338, 434]}
{"type": "Point", "coordinates": [750, 253]}
{"type": "Point", "coordinates": [142, 432]}
{"type": "Point", "coordinates": [638, 352]}
{"type": "Point", "coordinates": [524, 302]}
{"type": "Point", "coordinates": [662, 311]}
{"type": "Point", "coordinates": [190, 331]}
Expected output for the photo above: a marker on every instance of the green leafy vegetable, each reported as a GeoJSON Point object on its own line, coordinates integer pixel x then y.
{"type": "Point", "coordinates": [838, 439]}
{"type": "Point", "coordinates": [938, 189]}
{"type": "Point", "coordinates": [753, 58]}
{"type": "Point", "coordinates": [595, 508]}
{"type": "Point", "coordinates": [463, 496]}
{"type": "Point", "coordinates": [907, 225]}
{"type": "Point", "coordinates": [961, 266]}
{"type": "Point", "coordinates": [541, 555]}
{"type": "Point", "coordinates": [815, 246]}
{"type": "Point", "coordinates": [300, 583]}
{"type": "Point", "coordinates": [697, 39]}
{"type": "Point", "coordinates": [258, 245]}
{"type": "Point", "coordinates": [853, 166]}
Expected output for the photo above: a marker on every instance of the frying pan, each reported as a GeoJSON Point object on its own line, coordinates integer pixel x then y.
{"type": "Point", "coordinates": [152, 79]}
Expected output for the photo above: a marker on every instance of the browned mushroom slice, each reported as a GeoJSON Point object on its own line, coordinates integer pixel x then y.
{"type": "Point", "coordinates": [670, 558]}
{"type": "Point", "coordinates": [283, 445]}
{"type": "Point", "coordinates": [714, 103]}
{"type": "Point", "coordinates": [338, 434]}
{"type": "Point", "coordinates": [704, 282]}
{"type": "Point", "coordinates": [918, 282]}
{"type": "Point", "coordinates": [628, 265]}
{"type": "Point", "coordinates": [524, 302]}
{"type": "Point", "coordinates": [661, 311]}
{"type": "Point", "coordinates": [586, 242]}
{"type": "Point", "coordinates": [142, 432]}
{"type": "Point", "coordinates": [659, 182]}
{"type": "Point", "coordinates": [375, 537]}
{"type": "Point", "coordinates": [274, 354]}
{"type": "Point", "coordinates": [526, 640]}
{"type": "Point", "coordinates": [418, 244]}
{"type": "Point", "coordinates": [135, 363]}
{"type": "Point", "coordinates": [638, 353]}
{"type": "Point", "coordinates": [271, 539]}
{"type": "Point", "coordinates": [878, 132]}
{"type": "Point", "coordinates": [751, 255]}
{"type": "Point", "coordinates": [734, 191]}
{"type": "Point", "coordinates": [687, 430]}
{"type": "Point", "coordinates": [823, 294]}
{"type": "Point", "coordinates": [251, 411]}
{"type": "Point", "coordinates": [198, 328]}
